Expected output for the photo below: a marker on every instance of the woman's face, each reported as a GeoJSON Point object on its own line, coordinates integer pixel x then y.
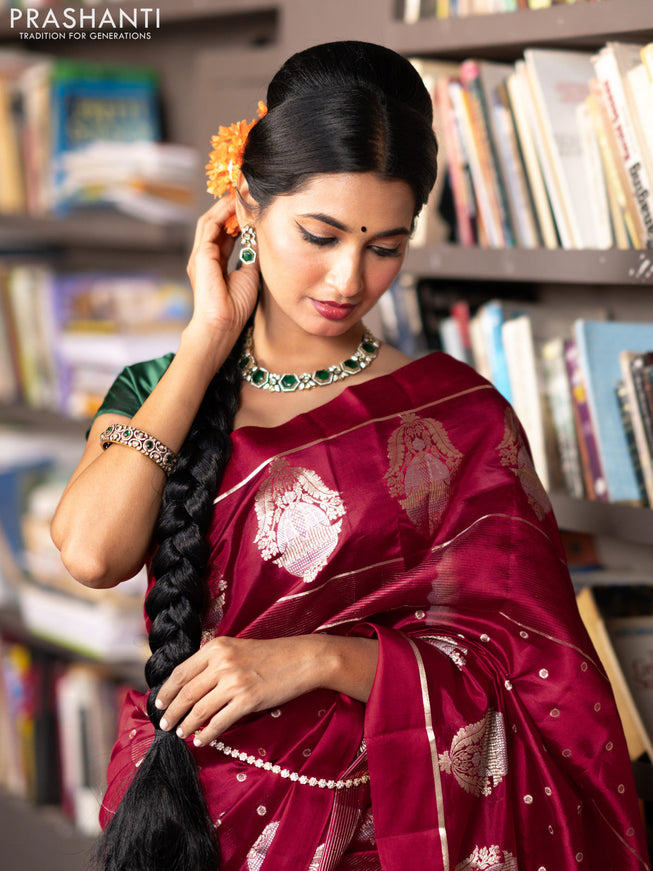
{"type": "Point", "coordinates": [328, 252]}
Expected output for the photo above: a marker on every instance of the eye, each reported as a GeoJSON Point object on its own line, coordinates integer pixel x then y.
{"type": "Point", "coordinates": [320, 241]}
{"type": "Point", "coordinates": [381, 251]}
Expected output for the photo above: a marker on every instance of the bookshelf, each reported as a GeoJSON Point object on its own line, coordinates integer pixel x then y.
{"type": "Point", "coordinates": [215, 57]}
{"type": "Point", "coordinates": [575, 26]}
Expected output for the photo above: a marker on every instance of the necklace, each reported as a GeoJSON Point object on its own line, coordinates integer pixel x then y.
{"type": "Point", "coordinates": [259, 377]}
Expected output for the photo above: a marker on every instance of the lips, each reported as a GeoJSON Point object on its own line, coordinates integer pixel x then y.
{"type": "Point", "coordinates": [333, 311]}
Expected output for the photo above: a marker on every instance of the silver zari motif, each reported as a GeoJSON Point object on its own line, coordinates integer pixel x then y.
{"type": "Point", "coordinates": [298, 520]}
{"type": "Point", "coordinates": [488, 859]}
{"type": "Point", "coordinates": [422, 466]}
{"type": "Point", "coordinates": [478, 756]}
{"type": "Point", "coordinates": [257, 854]}
{"type": "Point", "coordinates": [515, 456]}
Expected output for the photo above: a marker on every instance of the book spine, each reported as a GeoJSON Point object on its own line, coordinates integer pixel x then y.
{"type": "Point", "coordinates": [489, 231]}
{"type": "Point", "coordinates": [647, 59]}
{"type": "Point", "coordinates": [541, 202]}
{"type": "Point", "coordinates": [559, 398]}
{"type": "Point", "coordinates": [599, 206]}
{"type": "Point", "coordinates": [638, 368]}
{"type": "Point", "coordinates": [479, 112]}
{"type": "Point", "coordinates": [614, 95]}
{"type": "Point", "coordinates": [625, 413]}
{"type": "Point", "coordinates": [595, 485]}
{"type": "Point", "coordinates": [616, 194]}
{"type": "Point", "coordinates": [457, 164]}
{"type": "Point", "coordinates": [524, 221]}
{"type": "Point", "coordinates": [647, 384]}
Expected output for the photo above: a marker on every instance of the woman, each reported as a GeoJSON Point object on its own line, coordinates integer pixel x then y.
{"type": "Point", "coordinates": [359, 598]}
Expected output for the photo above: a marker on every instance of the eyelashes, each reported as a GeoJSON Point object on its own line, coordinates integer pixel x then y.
{"type": "Point", "coordinates": [326, 241]}
{"type": "Point", "coordinates": [320, 241]}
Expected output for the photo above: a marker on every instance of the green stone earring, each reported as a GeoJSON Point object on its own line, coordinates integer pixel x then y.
{"type": "Point", "coordinates": [247, 241]}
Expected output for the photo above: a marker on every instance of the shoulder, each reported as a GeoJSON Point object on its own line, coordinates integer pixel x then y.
{"type": "Point", "coordinates": [453, 386]}
{"type": "Point", "coordinates": [133, 385]}
{"type": "Point", "coordinates": [444, 373]}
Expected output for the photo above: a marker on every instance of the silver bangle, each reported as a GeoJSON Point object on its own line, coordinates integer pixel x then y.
{"type": "Point", "coordinates": [153, 449]}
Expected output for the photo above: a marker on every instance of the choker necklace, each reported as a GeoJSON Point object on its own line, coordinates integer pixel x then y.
{"type": "Point", "coordinates": [259, 377]}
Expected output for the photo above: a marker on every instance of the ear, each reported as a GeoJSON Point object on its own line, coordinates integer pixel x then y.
{"type": "Point", "coordinates": [246, 205]}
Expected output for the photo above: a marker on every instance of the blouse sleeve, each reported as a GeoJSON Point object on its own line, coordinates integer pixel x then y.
{"type": "Point", "coordinates": [133, 385]}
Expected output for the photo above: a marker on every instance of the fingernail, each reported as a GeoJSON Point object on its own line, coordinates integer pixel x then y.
{"type": "Point", "coordinates": [159, 704]}
{"type": "Point", "coordinates": [164, 725]}
{"type": "Point", "coordinates": [197, 741]}
{"type": "Point", "coordinates": [180, 732]}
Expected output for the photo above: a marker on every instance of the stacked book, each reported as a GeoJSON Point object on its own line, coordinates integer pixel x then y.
{"type": "Point", "coordinates": [65, 337]}
{"type": "Point", "coordinates": [554, 151]}
{"type": "Point", "coordinates": [77, 134]}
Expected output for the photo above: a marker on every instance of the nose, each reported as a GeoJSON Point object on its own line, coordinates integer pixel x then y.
{"type": "Point", "coordinates": [346, 274]}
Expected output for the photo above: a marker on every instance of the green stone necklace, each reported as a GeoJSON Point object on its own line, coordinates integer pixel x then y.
{"type": "Point", "coordinates": [259, 377]}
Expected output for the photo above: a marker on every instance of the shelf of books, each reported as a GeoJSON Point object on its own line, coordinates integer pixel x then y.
{"type": "Point", "coordinates": [575, 24]}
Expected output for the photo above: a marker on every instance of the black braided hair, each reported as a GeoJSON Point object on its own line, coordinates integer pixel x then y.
{"type": "Point", "coordinates": [162, 822]}
{"type": "Point", "coordinates": [339, 107]}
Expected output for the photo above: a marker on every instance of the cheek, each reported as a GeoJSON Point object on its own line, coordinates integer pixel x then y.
{"type": "Point", "coordinates": [381, 275]}
{"type": "Point", "coordinates": [281, 253]}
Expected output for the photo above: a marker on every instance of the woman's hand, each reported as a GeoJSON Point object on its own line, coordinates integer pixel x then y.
{"type": "Point", "coordinates": [223, 301]}
{"type": "Point", "coordinates": [229, 678]}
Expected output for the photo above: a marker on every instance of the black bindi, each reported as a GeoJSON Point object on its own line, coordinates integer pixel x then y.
{"type": "Point", "coordinates": [363, 229]}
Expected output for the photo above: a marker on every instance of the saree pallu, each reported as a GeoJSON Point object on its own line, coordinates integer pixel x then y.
{"type": "Point", "coordinates": [407, 509]}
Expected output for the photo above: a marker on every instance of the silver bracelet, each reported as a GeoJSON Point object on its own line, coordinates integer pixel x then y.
{"type": "Point", "coordinates": [124, 434]}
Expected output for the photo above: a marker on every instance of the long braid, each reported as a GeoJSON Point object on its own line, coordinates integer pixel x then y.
{"type": "Point", "coordinates": [162, 822]}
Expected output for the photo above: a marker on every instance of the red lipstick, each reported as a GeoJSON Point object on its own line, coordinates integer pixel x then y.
{"type": "Point", "coordinates": [332, 311]}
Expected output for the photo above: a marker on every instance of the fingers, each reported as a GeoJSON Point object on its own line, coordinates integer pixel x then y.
{"type": "Point", "coordinates": [210, 704]}
{"type": "Point", "coordinates": [210, 226]}
{"type": "Point", "coordinates": [230, 714]}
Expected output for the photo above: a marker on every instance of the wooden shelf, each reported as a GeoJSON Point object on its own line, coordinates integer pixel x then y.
{"type": "Point", "coordinates": [533, 265]}
{"type": "Point", "coordinates": [174, 10]}
{"type": "Point", "coordinates": [625, 522]}
{"type": "Point", "coordinates": [96, 229]}
{"type": "Point", "coordinates": [583, 25]}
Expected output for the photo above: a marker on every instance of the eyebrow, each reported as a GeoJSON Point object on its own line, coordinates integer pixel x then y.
{"type": "Point", "coordinates": [333, 222]}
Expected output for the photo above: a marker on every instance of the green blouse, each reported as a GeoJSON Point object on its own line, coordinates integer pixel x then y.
{"type": "Point", "coordinates": [132, 387]}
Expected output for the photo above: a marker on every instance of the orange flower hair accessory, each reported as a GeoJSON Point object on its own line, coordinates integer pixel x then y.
{"type": "Point", "coordinates": [226, 159]}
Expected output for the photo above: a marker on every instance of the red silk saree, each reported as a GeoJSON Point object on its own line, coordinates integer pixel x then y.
{"type": "Point", "coordinates": [407, 509]}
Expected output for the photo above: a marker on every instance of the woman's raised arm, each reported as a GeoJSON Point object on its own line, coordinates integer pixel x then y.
{"type": "Point", "coordinates": [104, 522]}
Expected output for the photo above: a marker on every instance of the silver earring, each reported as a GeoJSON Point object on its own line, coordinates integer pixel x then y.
{"type": "Point", "coordinates": [247, 241]}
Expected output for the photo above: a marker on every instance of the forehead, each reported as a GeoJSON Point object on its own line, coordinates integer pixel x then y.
{"type": "Point", "coordinates": [354, 198]}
